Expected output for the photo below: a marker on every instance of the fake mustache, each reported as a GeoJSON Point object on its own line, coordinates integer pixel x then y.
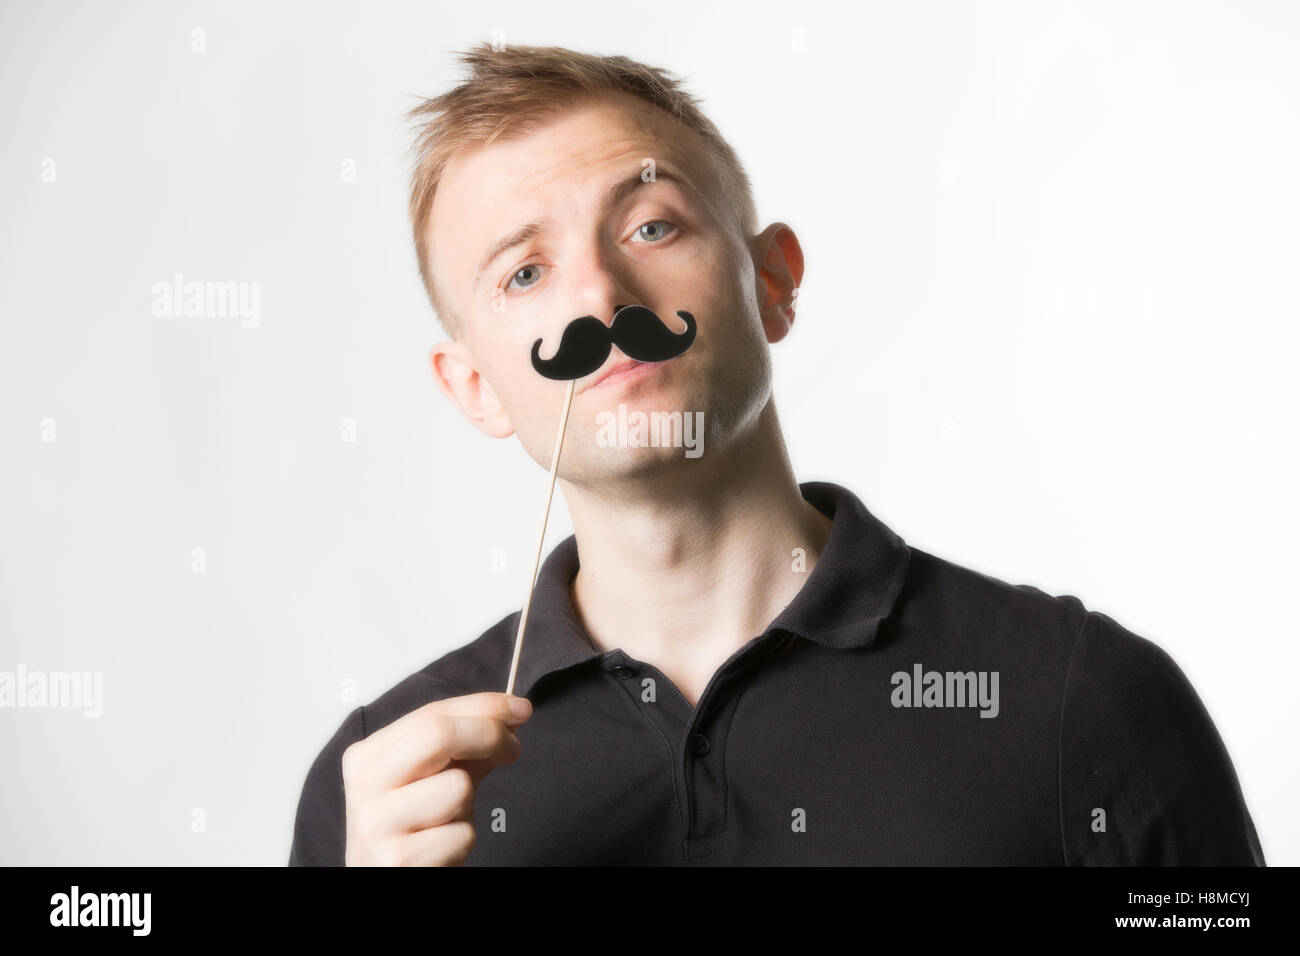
{"type": "Point", "coordinates": [636, 330]}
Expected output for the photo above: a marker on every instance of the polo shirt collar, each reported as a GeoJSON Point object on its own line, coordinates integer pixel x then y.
{"type": "Point", "coordinates": [849, 592]}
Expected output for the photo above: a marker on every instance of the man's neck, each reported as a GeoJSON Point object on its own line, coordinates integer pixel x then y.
{"type": "Point", "coordinates": [682, 571]}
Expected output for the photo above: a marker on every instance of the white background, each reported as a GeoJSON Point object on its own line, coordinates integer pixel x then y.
{"type": "Point", "coordinates": [1048, 330]}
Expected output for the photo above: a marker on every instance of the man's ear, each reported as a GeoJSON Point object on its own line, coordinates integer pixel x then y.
{"type": "Point", "coordinates": [778, 270]}
{"type": "Point", "coordinates": [466, 388]}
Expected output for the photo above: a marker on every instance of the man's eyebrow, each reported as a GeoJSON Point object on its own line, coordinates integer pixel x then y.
{"type": "Point", "coordinates": [617, 193]}
{"type": "Point", "coordinates": [509, 241]}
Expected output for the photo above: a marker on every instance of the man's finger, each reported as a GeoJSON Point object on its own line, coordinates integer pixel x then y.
{"type": "Point", "coordinates": [484, 704]}
{"type": "Point", "coordinates": [429, 746]}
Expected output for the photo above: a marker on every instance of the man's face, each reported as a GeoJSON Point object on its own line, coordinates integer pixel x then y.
{"type": "Point", "coordinates": [661, 244]}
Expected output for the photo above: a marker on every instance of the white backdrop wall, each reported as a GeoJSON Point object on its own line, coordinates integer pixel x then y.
{"type": "Point", "coordinates": [1048, 330]}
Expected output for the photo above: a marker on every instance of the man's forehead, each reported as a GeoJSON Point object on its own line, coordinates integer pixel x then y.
{"type": "Point", "coordinates": [575, 147]}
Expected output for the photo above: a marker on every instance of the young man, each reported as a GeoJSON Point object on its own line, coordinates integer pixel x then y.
{"type": "Point", "coordinates": [722, 665]}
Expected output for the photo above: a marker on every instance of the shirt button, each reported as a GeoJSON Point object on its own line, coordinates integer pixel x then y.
{"type": "Point", "coordinates": [699, 745]}
{"type": "Point", "coordinates": [624, 672]}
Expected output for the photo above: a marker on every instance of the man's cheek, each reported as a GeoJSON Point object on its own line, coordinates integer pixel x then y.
{"type": "Point", "coordinates": [536, 418]}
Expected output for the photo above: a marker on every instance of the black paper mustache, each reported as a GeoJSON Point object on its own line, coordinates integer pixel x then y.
{"type": "Point", "coordinates": [636, 330]}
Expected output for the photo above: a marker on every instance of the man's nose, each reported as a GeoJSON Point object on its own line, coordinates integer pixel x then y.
{"type": "Point", "coordinates": [598, 276]}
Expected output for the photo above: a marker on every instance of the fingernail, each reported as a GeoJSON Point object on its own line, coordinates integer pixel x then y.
{"type": "Point", "coordinates": [520, 706]}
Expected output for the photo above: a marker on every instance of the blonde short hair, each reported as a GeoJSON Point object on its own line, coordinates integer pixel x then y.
{"type": "Point", "coordinates": [511, 91]}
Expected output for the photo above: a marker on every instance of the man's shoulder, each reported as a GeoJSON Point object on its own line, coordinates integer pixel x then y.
{"type": "Point", "coordinates": [1022, 622]}
{"type": "Point", "coordinates": [941, 591]}
{"type": "Point", "coordinates": [1108, 668]}
{"type": "Point", "coordinates": [1143, 774]}
{"type": "Point", "coordinates": [1096, 645]}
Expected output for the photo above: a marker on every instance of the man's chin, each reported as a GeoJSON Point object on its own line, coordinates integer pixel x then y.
{"type": "Point", "coordinates": [615, 465]}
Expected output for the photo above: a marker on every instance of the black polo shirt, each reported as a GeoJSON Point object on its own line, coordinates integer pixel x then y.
{"type": "Point", "coordinates": [900, 710]}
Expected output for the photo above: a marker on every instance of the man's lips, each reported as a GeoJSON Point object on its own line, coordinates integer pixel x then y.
{"type": "Point", "coordinates": [624, 371]}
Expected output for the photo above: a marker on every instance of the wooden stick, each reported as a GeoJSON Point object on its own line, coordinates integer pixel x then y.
{"type": "Point", "coordinates": [537, 558]}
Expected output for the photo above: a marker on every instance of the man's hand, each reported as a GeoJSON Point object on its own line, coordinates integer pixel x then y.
{"type": "Point", "coordinates": [409, 787]}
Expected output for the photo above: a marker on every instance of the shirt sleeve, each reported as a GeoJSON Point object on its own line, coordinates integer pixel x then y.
{"type": "Point", "coordinates": [319, 830]}
{"type": "Point", "coordinates": [1144, 777]}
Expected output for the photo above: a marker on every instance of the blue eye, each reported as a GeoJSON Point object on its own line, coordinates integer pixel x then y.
{"type": "Point", "coordinates": [658, 229]}
{"type": "Point", "coordinates": [531, 268]}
